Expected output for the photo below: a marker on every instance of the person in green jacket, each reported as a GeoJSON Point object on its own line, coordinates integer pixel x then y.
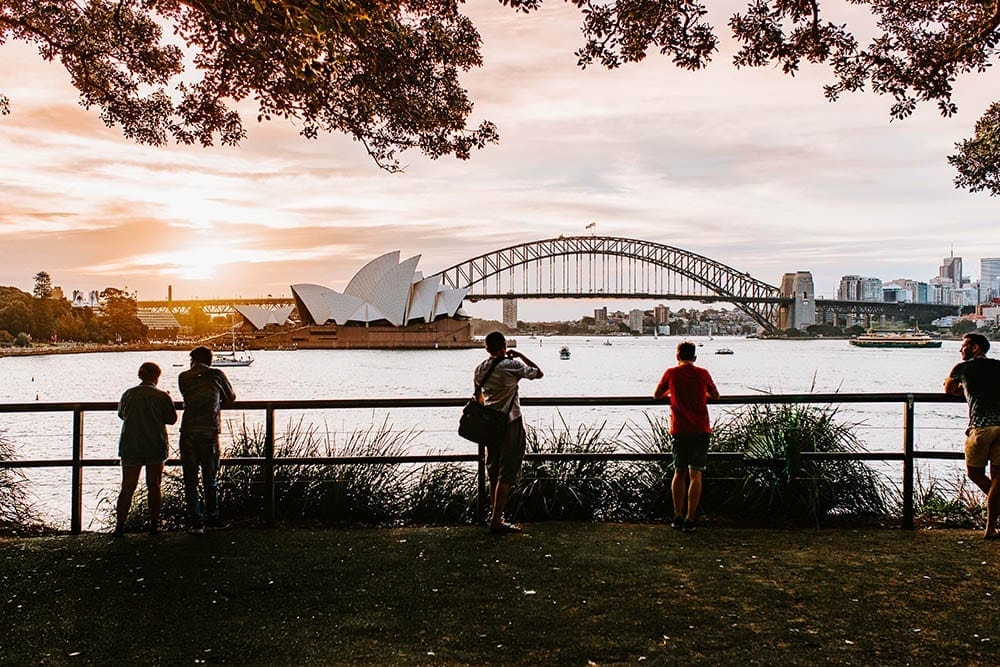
{"type": "Point", "coordinates": [145, 411]}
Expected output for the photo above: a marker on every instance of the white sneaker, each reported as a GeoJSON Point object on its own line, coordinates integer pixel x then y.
{"type": "Point", "coordinates": [196, 531]}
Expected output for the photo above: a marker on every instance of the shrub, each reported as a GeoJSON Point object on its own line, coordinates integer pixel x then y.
{"type": "Point", "coordinates": [565, 490]}
{"type": "Point", "coordinates": [22, 340]}
{"type": "Point", "coordinates": [773, 481]}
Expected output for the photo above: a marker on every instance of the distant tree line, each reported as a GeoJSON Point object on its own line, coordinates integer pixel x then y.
{"type": "Point", "coordinates": [40, 316]}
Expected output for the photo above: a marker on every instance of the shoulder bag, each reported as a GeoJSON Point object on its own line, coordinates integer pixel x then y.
{"type": "Point", "coordinates": [479, 423]}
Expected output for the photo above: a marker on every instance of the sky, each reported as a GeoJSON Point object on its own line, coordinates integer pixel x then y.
{"type": "Point", "coordinates": [749, 167]}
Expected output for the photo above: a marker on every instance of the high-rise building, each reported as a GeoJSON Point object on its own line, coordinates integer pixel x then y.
{"type": "Point", "coordinates": [661, 314]}
{"type": "Point", "coordinates": [600, 315]}
{"type": "Point", "coordinates": [510, 312]}
{"type": "Point", "coordinates": [635, 320]}
{"type": "Point", "coordinates": [989, 279]}
{"type": "Point", "coordinates": [951, 268]}
{"type": "Point", "coordinates": [859, 288]}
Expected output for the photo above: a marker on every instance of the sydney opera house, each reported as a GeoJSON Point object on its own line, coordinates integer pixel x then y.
{"type": "Point", "coordinates": [387, 304]}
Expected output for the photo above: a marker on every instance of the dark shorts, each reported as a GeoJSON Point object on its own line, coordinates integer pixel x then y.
{"type": "Point", "coordinates": [503, 459]}
{"type": "Point", "coordinates": [690, 450]}
{"type": "Point", "coordinates": [199, 447]}
{"type": "Point", "coordinates": [140, 461]}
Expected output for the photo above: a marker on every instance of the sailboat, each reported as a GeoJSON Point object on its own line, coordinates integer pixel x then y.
{"type": "Point", "coordinates": [232, 357]}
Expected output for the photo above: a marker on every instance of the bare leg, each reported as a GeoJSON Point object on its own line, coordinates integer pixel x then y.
{"type": "Point", "coordinates": [978, 476]}
{"type": "Point", "coordinates": [501, 491]}
{"type": "Point", "coordinates": [993, 503]}
{"type": "Point", "coordinates": [678, 491]}
{"type": "Point", "coordinates": [154, 475]}
{"type": "Point", "coordinates": [693, 493]}
{"type": "Point", "coordinates": [130, 479]}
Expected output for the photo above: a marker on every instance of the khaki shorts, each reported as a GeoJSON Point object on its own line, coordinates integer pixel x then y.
{"type": "Point", "coordinates": [982, 446]}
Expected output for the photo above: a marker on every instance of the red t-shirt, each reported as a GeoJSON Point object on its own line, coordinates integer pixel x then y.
{"type": "Point", "coordinates": [688, 387]}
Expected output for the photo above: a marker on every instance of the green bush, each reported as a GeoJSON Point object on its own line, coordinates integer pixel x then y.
{"type": "Point", "coordinates": [565, 490]}
{"type": "Point", "coordinates": [773, 481]}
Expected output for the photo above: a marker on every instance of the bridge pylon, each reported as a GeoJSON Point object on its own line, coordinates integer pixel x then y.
{"type": "Point", "coordinates": [798, 310]}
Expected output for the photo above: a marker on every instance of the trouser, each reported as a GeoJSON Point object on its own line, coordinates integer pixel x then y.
{"type": "Point", "coordinates": [200, 453]}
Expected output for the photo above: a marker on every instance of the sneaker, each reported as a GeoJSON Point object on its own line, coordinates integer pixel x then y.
{"type": "Point", "coordinates": [677, 523]}
{"type": "Point", "coordinates": [196, 530]}
{"type": "Point", "coordinates": [688, 526]}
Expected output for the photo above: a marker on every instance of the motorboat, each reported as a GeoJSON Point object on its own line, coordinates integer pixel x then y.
{"type": "Point", "coordinates": [564, 352]}
{"type": "Point", "coordinates": [724, 350]}
{"type": "Point", "coordinates": [906, 339]}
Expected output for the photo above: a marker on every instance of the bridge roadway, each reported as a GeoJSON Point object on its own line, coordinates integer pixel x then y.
{"type": "Point", "coordinates": [224, 306]}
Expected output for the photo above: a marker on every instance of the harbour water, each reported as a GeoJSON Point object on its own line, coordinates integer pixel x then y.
{"type": "Point", "coordinates": [629, 366]}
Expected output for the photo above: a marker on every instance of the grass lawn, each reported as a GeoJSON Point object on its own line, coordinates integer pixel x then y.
{"type": "Point", "coordinates": [559, 593]}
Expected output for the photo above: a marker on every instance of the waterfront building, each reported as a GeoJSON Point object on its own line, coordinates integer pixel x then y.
{"type": "Point", "coordinates": [859, 288]}
{"type": "Point", "coordinates": [661, 314]}
{"type": "Point", "coordinates": [635, 318]}
{"type": "Point", "coordinates": [387, 304]}
{"type": "Point", "coordinates": [260, 318]}
{"type": "Point", "coordinates": [600, 316]}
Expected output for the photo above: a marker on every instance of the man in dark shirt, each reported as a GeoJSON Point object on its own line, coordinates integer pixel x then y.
{"type": "Point", "coordinates": [205, 390]}
{"type": "Point", "coordinates": [688, 387]}
{"type": "Point", "coordinates": [978, 379]}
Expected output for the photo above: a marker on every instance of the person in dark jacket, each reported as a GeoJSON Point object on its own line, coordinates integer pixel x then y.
{"type": "Point", "coordinates": [205, 390]}
{"type": "Point", "coordinates": [145, 411]}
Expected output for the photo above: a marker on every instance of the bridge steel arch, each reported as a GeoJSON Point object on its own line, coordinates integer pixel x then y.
{"type": "Point", "coordinates": [717, 281]}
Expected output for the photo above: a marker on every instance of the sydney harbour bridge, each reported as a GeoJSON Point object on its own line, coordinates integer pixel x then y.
{"type": "Point", "coordinates": [577, 267]}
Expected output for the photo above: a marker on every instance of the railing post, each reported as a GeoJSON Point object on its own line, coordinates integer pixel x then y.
{"type": "Point", "coordinates": [908, 462]}
{"type": "Point", "coordinates": [76, 475]}
{"type": "Point", "coordinates": [481, 486]}
{"type": "Point", "coordinates": [269, 466]}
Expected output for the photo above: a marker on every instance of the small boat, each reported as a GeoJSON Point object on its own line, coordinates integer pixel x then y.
{"type": "Point", "coordinates": [724, 350]}
{"type": "Point", "coordinates": [607, 341]}
{"type": "Point", "coordinates": [889, 339]}
{"type": "Point", "coordinates": [232, 357]}
{"type": "Point", "coordinates": [564, 352]}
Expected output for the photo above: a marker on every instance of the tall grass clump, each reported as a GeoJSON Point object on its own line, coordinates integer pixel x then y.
{"type": "Point", "coordinates": [565, 490]}
{"type": "Point", "coordinates": [645, 491]}
{"type": "Point", "coordinates": [952, 503]}
{"type": "Point", "coordinates": [444, 494]}
{"type": "Point", "coordinates": [361, 493]}
{"type": "Point", "coordinates": [773, 482]}
{"type": "Point", "coordinates": [17, 514]}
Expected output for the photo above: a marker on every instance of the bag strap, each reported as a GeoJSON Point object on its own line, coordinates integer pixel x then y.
{"type": "Point", "coordinates": [479, 386]}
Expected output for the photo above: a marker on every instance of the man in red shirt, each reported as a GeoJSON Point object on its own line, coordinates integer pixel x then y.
{"type": "Point", "coordinates": [688, 387]}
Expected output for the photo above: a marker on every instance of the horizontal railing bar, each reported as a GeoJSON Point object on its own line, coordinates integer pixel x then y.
{"type": "Point", "coordinates": [433, 402]}
{"type": "Point", "coordinates": [537, 456]}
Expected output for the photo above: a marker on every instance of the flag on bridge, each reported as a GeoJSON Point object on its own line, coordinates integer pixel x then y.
{"type": "Point", "coordinates": [591, 225]}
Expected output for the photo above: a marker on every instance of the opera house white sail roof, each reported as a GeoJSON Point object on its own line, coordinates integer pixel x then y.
{"type": "Point", "coordinates": [385, 289]}
{"type": "Point", "coordinates": [262, 317]}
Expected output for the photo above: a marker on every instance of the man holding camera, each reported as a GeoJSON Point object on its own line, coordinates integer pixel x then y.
{"type": "Point", "coordinates": [499, 391]}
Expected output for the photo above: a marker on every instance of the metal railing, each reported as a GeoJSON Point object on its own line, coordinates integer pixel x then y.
{"type": "Point", "coordinates": [908, 454]}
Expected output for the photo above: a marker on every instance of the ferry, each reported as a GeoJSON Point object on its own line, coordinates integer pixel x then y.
{"type": "Point", "coordinates": [889, 339]}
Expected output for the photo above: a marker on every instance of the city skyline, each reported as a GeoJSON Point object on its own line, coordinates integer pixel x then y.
{"type": "Point", "coordinates": [752, 168]}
